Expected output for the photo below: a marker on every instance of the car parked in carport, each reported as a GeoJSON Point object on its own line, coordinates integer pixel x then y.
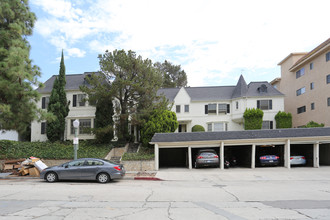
{"type": "Point", "coordinates": [297, 160]}
{"type": "Point", "coordinates": [207, 158]}
{"type": "Point", "coordinates": [269, 160]}
{"type": "Point", "coordinates": [100, 170]}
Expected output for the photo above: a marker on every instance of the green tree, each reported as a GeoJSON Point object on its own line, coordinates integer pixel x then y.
{"type": "Point", "coordinates": [17, 73]}
{"type": "Point", "coordinates": [53, 130]}
{"type": "Point", "coordinates": [253, 119]}
{"type": "Point", "coordinates": [197, 128]}
{"type": "Point", "coordinates": [134, 83]}
{"type": "Point", "coordinates": [58, 106]}
{"type": "Point", "coordinates": [97, 90]}
{"type": "Point", "coordinates": [160, 121]}
{"type": "Point", "coordinates": [283, 120]}
{"type": "Point", "coordinates": [313, 124]}
{"type": "Point", "coordinates": [172, 75]}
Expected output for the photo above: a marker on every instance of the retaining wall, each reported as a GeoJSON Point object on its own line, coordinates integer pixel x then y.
{"type": "Point", "coordinates": [136, 165]}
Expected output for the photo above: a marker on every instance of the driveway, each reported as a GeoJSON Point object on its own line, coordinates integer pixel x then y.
{"type": "Point", "coordinates": [264, 193]}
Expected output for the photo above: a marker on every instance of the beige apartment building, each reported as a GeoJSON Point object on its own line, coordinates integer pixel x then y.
{"type": "Point", "coordinates": [305, 82]}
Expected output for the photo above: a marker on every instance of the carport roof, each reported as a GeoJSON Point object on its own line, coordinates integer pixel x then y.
{"type": "Point", "coordinates": [240, 135]}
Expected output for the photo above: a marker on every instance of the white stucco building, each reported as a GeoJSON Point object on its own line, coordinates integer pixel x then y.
{"type": "Point", "coordinates": [221, 108]}
{"type": "Point", "coordinates": [79, 109]}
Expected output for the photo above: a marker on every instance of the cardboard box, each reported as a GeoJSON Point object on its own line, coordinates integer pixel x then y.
{"type": "Point", "coordinates": [34, 172]}
{"type": "Point", "coordinates": [24, 172]}
{"type": "Point", "coordinates": [8, 166]}
{"type": "Point", "coordinates": [16, 166]}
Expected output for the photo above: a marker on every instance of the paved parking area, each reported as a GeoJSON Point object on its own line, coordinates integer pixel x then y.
{"type": "Point", "coordinates": [264, 193]}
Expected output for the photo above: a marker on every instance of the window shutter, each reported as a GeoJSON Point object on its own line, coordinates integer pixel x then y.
{"type": "Point", "coordinates": [270, 104]}
{"type": "Point", "coordinates": [206, 109]}
{"type": "Point", "coordinates": [228, 108]}
{"type": "Point", "coordinates": [43, 103]}
{"type": "Point", "coordinates": [271, 125]}
{"type": "Point", "coordinates": [258, 103]}
{"type": "Point", "coordinates": [43, 127]}
{"type": "Point", "coordinates": [74, 102]}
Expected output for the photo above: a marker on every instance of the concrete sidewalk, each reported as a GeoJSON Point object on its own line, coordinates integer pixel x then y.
{"type": "Point", "coordinates": [234, 174]}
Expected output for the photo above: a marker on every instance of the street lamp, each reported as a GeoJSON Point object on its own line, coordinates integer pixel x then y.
{"type": "Point", "coordinates": [75, 140]}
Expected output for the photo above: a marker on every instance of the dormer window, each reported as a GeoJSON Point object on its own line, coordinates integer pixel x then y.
{"type": "Point", "coordinates": [262, 89]}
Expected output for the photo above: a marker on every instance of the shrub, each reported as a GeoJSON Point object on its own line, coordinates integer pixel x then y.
{"type": "Point", "coordinates": [143, 154]}
{"type": "Point", "coordinates": [253, 119]}
{"type": "Point", "coordinates": [48, 150]}
{"type": "Point", "coordinates": [161, 121]}
{"type": "Point", "coordinates": [197, 128]}
{"type": "Point", "coordinates": [283, 120]}
{"type": "Point", "coordinates": [313, 124]}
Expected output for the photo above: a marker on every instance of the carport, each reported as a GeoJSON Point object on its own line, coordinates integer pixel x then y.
{"type": "Point", "coordinates": [250, 142]}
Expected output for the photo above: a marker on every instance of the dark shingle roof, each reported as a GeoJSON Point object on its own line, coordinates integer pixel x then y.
{"type": "Point", "coordinates": [169, 93]}
{"type": "Point", "coordinates": [218, 93]}
{"type": "Point", "coordinates": [254, 89]}
{"type": "Point", "coordinates": [73, 81]}
{"type": "Point", "coordinates": [211, 93]}
{"type": "Point", "coordinates": [241, 88]}
{"type": "Point", "coordinates": [240, 135]}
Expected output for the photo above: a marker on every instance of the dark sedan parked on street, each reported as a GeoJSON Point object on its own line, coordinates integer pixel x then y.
{"type": "Point", "coordinates": [207, 157]}
{"type": "Point", "coordinates": [84, 169]}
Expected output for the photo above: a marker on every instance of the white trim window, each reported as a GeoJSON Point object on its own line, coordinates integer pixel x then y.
{"type": "Point", "coordinates": [186, 108]}
{"type": "Point", "coordinates": [267, 125]}
{"type": "Point", "coordinates": [217, 126]}
{"type": "Point", "coordinates": [265, 104]}
{"type": "Point", "coordinates": [84, 126]}
{"type": "Point", "coordinates": [44, 102]}
{"type": "Point", "coordinates": [79, 100]}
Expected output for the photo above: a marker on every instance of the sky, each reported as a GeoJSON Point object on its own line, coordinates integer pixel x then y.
{"type": "Point", "coordinates": [214, 41]}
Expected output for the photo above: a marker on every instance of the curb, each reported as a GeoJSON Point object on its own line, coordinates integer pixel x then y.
{"type": "Point", "coordinates": [147, 178]}
{"type": "Point", "coordinates": [127, 178]}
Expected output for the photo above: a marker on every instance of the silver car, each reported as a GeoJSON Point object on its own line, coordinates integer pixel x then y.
{"type": "Point", "coordinates": [84, 169]}
{"type": "Point", "coordinates": [207, 157]}
{"type": "Point", "coordinates": [297, 160]}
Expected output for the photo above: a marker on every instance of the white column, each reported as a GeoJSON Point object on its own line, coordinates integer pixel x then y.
{"type": "Point", "coordinates": [189, 157]}
{"type": "Point", "coordinates": [222, 156]}
{"type": "Point", "coordinates": [156, 157]}
{"type": "Point", "coordinates": [253, 155]}
{"type": "Point", "coordinates": [316, 158]}
{"type": "Point", "coordinates": [287, 154]}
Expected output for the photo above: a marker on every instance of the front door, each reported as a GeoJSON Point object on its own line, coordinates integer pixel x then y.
{"type": "Point", "coordinates": [182, 128]}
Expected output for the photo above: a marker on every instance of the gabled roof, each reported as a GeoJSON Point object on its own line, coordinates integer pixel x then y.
{"type": "Point", "coordinates": [211, 93]}
{"type": "Point", "coordinates": [240, 135]}
{"type": "Point", "coordinates": [241, 88]}
{"type": "Point", "coordinates": [169, 93]}
{"type": "Point", "coordinates": [319, 49]}
{"type": "Point", "coordinates": [73, 81]}
{"type": "Point", "coordinates": [223, 93]}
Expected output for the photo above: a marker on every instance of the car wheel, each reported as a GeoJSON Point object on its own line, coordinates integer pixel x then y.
{"type": "Point", "coordinates": [103, 178]}
{"type": "Point", "coordinates": [51, 177]}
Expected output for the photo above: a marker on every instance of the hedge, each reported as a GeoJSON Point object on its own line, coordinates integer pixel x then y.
{"type": "Point", "coordinates": [283, 120]}
{"type": "Point", "coordinates": [197, 128]}
{"type": "Point", "coordinates": [48, 150]}
{"type": "Point", "coordinates": [253, 119]}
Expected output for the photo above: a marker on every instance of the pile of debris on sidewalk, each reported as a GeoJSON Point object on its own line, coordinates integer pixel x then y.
{"type": "Point", "coordinates": [24, 167]}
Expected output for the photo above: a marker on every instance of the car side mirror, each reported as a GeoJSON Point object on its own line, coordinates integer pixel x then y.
{"type": "Point", "coordinates": [66, 166]}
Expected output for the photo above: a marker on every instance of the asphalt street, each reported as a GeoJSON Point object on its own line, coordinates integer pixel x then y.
{"type": "Point", "coordinates": [263, 193]}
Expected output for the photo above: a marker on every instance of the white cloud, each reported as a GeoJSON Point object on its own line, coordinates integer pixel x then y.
{"type": "Point", "coordinates": [209, 38]}
{"type": "Point", "coordinates": [75, 52]}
